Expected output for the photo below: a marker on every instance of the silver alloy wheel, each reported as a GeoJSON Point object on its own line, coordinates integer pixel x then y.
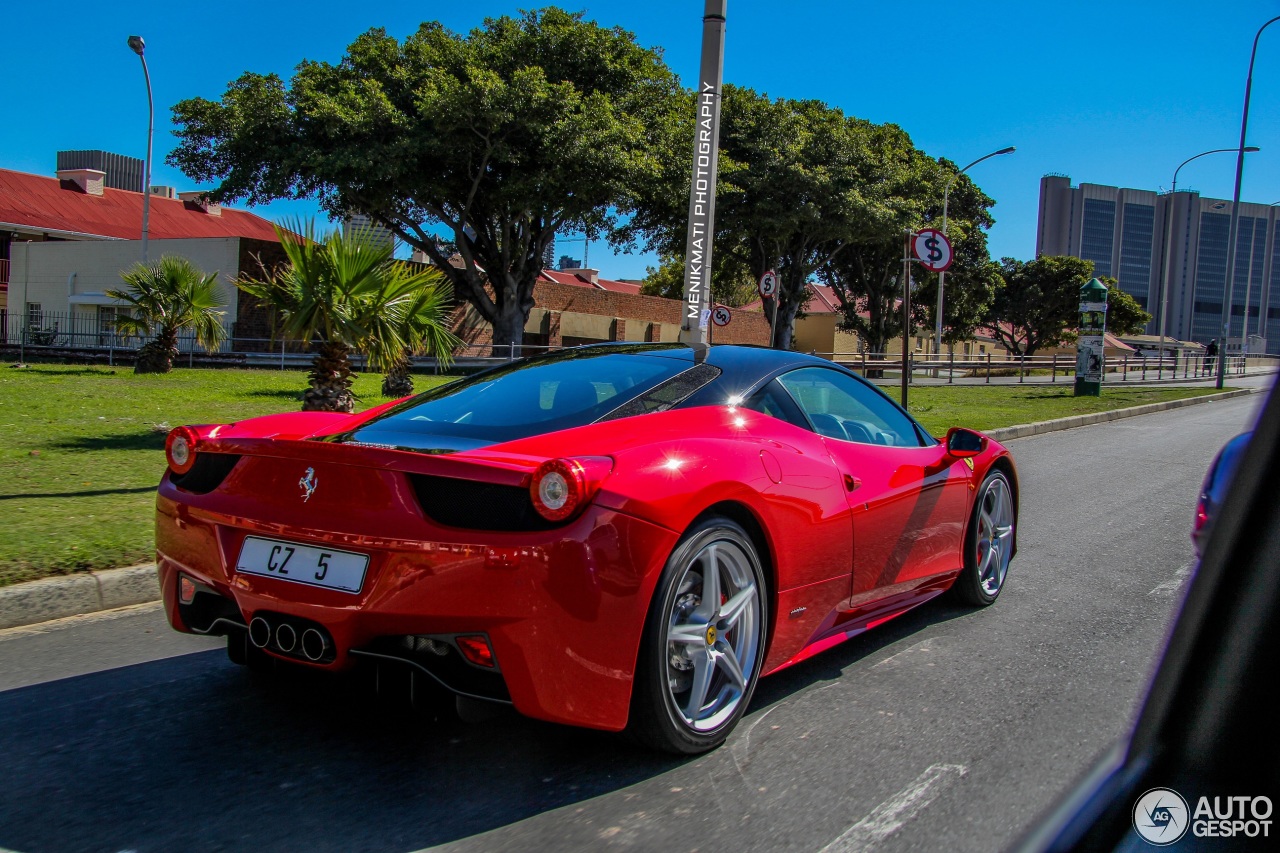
{"type": "Point", "coordinates": [713, 635]}
{"type": "Point", "coordinates": [995, 534]}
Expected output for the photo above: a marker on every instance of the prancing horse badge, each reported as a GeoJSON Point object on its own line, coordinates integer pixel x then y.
{"type": "Point", "coordinates": [308, 484]}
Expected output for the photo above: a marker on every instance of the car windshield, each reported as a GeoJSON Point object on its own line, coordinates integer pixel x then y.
{"type": "Point", "coordinates": [528, 398]}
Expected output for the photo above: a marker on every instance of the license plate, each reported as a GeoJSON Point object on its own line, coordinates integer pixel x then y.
{"type": "Point", "coordinates": [272, 558]}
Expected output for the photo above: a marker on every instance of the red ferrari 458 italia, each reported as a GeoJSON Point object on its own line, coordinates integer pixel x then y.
{"type": "Point", "coordinates": [617, 536]}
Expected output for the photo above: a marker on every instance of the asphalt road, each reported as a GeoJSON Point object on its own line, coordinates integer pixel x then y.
{"type": "Point", "coordinates": [947, 728]}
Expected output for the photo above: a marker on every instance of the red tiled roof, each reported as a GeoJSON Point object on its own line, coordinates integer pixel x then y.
{"type": "Point", "coordinates": [821, 301]}
{"type": "Point", "coordinates": [619, 286]}
{"type": "Point", "coordinates": [42, 203]}
{"type": "Point", "coordinates": [577, 280]}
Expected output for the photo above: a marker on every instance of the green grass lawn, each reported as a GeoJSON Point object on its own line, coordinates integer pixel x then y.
{"type": "Point", "coordinates": [82, 448]}
{"type": "Point", "coordinates": [983, 407]}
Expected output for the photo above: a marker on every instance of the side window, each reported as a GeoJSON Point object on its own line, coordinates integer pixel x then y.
{"type": "Point", "coordinates": [842, 407]}
{"type": "Point", "coordinates": [773, 401]}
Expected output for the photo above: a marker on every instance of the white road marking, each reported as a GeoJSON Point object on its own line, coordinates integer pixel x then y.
{"type": "Point", "coordinates": [1174, 583]}
{"type": "Point", "coordinates": [73, 621]}
{"type": "Point", "coordinates": [888, 817]}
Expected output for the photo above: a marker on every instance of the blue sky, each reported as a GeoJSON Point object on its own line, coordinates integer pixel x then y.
{"type": "Point", "coordinates": [1106, 92]}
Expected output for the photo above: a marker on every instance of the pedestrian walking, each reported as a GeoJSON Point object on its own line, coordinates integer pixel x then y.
{"type": "Point", "coordinates": [1210, 354]}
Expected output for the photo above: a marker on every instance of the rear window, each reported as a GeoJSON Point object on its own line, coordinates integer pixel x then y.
{"type": "Point", "coordinates": [532, 398]}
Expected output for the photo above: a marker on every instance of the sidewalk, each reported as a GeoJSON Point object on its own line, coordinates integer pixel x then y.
{"type": "Point", "coordinates": [88, 592]}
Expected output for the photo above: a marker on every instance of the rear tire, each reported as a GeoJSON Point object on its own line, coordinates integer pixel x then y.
{"type": "Point", "coordinates": [988, 543]}
{"type": "Point", "coordinates": [703, 643]}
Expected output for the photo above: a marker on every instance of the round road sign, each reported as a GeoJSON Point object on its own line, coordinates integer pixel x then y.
{"type": "Point", "coordinates": [932, 249]}
{"type": "Point", "coordinates": [721, 316]}
{"type": "Point", "coordinates": [768, 284]}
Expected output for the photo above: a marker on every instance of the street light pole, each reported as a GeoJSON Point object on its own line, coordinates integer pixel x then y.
{"type": "Point", "coordinates": [1168, 242]}
{"type": "Point", "coordinates": [1235, 212]}
{"type": "Point", "coordinates": [942, 276]}
{"type": "Point", "coordinates": [138, 46]}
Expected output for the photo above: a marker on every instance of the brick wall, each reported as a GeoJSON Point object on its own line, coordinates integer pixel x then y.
{"type": "Point", "coordinates": [640, 318]}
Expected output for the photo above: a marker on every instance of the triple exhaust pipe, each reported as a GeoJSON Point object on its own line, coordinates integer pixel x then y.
{"type": "Point", "coordinates": [314, 642]}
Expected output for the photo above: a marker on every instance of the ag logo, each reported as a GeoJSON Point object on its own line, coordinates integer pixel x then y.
{"type": "Point", "coordinates": [308, 484]}
{"type": "Point", "coordinates": [1161, 817]}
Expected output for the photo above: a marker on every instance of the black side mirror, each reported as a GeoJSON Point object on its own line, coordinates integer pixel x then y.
{"type": "Point", "coordinates": [962, 443]}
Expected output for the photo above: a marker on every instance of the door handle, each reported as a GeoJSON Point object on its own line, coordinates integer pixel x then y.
{"type": "Point", "coordinates": [851, 482]}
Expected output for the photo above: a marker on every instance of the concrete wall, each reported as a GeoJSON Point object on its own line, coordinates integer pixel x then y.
{"type": "Point", "coordinates": [51, 273]}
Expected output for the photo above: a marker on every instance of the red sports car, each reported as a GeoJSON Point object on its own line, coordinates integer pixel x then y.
{"type": "Point", "coordinates": [617, 536]}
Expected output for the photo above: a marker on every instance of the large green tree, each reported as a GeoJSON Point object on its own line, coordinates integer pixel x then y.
{"type": "Point", "coordinates": [793, 186]}
{"type": "Point", "coordinates": [1037, 303]}
{"type": "Point", "coordinates": [809, 192]}
{"type": "Point", "coordinates": [345, 293]}
{"type": "Point", "coordinates": [867, 276]}
{"type": "Point", "coordinates": [795, 191]}
{"type": "Point", "coordinates": [526, 126]}
{"type": "Point", "coordinates": [165, 298]}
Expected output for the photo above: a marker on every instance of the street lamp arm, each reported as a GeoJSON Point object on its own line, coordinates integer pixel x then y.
{"type": "Point", "coordinates": [1008, 150]}
{"type": "Point", "coordinates": [951, 181]}
{"type": "Point", "coordinates": [1251, 149]}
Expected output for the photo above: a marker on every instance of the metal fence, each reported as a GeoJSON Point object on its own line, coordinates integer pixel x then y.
{"type": "Point", "coordinates": [84, 336]}
{"type": "Point", "coordinates": [1047, 368]}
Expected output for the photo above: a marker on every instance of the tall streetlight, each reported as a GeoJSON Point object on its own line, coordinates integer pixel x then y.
{"type": "Point", "coordinates": [1235, 212]}
{"type": "Point", "coordinates": [942, 276]}
{"type": "Point", "coordinates": [138, 46]}
{"type": "Point", "coordinates": [1168, 240]}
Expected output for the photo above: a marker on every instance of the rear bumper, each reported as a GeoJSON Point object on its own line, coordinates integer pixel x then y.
{"type": "Point", "coordinates": [563, 609]}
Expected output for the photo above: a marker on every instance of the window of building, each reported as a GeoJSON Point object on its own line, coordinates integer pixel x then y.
{"type": "Point", "coordinates": [1211, 276]}
{"type": "Point", "coordinates": [1136, 237]}
{"type": "Point", "coordinates": [1097, 235]}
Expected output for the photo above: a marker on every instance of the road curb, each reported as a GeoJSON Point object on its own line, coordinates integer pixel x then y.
{"type": "Point", "coordinates": [1024, 430]}
{"type": "Point", "coordinates": [74, 595]}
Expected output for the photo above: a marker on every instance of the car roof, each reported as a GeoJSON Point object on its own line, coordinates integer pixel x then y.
{"type": "Point", "coordinates": [740, 363]}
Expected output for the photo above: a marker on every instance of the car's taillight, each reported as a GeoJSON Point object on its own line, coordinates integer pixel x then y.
{"type": "Point", "coordinates": [562, 487]}
{"type": "Point", "coordinates": [1202, 515]}
{"type": "Point", "coordinates": [180, 449]}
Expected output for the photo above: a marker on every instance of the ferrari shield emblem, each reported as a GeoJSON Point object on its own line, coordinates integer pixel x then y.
{"type": "Point", "coordinates": [968, 462]}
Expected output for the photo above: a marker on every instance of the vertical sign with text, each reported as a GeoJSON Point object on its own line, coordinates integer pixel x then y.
{"type": "Point", "coordinates": [702, 191]}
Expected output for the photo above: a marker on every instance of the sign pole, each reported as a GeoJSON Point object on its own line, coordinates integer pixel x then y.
{"type": "Point", "coordinates": [906, 314]}
{"type": "Point", "coordinates": [702, 190]}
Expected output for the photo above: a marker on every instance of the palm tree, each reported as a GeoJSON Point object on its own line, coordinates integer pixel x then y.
{"type": "Point", "coordinates": [345, 294]}
{"type": "Point", "coordinates": [423, 320]}
{"type": "Point", "coordinates": [165, 297]}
